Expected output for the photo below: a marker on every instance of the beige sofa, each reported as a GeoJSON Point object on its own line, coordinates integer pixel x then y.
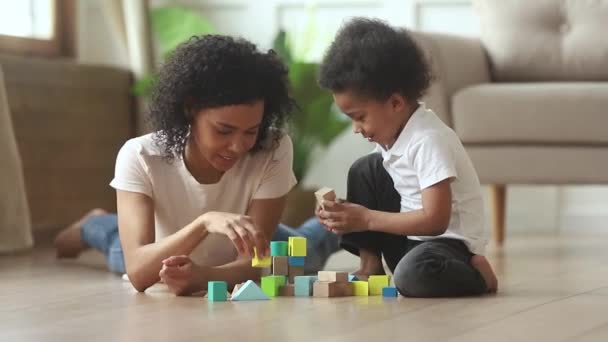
{"type": "Point", "coordinates": [69, 121]}
{"type": "Point", "coordinates": [530, 98]}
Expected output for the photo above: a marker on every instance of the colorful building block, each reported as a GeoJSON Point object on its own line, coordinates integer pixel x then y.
{"type": "Point", "coordinates": [325, 194]}
{"type": "Point", "coordinates": [249, 291]}
{"type": "Point", "coordinates": [279, 248]}
{"type": "Point", "coordinates": [271, 284]}
{"type": "Point", "coordinates": [360, 288]}
{"type": "Point", "coordinates": [376, 283]}
{"type": "Point", "coordinates": [332, 289]}
{"type": "Point", "coordinates": [296, 261]}
{"type": "Point", "coordinates": [304, 285]}
{"type": "Point", "coordinates": [217, 291]}
{"type": "Point", "coordinates": [280, 265]}
{"type": "Point", "coordinates": [389, 291]}
{"type": "Point", "coordinates": [331, 276]}
{"type": "Point", "coordinates": [295, 271]}
{"type": "Point", "coordinates": [287, 290]}
{"type": "Point", "coordinates": [352, 277]}
{"type": "Point", "coordinates": [257, 262]}
{"type": "Point", "coordinates": [297, 246]}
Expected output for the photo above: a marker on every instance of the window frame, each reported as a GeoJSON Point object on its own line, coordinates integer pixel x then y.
{"type": "Point", "coordinates": [61, 44]}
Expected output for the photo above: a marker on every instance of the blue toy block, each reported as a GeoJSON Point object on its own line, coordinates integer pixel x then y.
{"type": "Point", "coordinates": [352, 277]}
{"type": "Point", "coordinates": [296, 261]}
{"type": "Point", "coordinates": [249, 291]}
{"type": "Point", "coordinates": [303, 285]}
{"type": "Point", "coordinates": [217, 291]}
{"type": "Point", "coordinates": [389, 291]}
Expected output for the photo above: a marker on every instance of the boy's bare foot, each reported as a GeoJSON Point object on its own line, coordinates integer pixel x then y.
{"type": "Point", "coordinates": [371, 264]}
{"type": "Point", "coordinates": [483, 266]}
{"type": "Point", "coordinates": [68, 243]}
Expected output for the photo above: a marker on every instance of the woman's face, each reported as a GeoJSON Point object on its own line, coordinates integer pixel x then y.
{"type": "Point", "coordinates": [225, 134]}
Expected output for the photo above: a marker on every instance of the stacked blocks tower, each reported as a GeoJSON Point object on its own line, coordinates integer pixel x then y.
{"type": "Point", "coordinates": [287, 263]}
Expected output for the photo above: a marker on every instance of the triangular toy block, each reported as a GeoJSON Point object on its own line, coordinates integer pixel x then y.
{"type": "Point", "coordinates": [297, 246]}
{"type": "Point", "coordinates": [249, 291]}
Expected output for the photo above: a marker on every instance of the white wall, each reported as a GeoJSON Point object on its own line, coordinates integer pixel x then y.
{"type": "Point", "coordinates": [529, 207]}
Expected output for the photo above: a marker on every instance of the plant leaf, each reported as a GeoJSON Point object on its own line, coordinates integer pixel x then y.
{"type": "Point", "coordinates": [173, 25]}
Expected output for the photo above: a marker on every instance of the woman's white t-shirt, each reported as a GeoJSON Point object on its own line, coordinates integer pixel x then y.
{"type": "Point", "coordinates": [179, 198]}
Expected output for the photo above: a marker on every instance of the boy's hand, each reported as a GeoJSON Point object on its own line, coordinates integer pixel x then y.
{"type": "Point", "coordinates": [344, 217]}
{"type": "Point", "coordinates": [181, 275]}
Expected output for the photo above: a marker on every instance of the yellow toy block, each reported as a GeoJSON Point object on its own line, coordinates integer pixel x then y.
{"type": "Point", "coordinates": [297, 246]}
{"type": "Point", "coordinates": [257, 262]}
{"type": "Point", "coordinates": [360, 288]}
{"type": "Point", "coordinates": [376, 283]}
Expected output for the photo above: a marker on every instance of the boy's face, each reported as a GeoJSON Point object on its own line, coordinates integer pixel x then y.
{"type": "Point", "coordinates": [376, 120]}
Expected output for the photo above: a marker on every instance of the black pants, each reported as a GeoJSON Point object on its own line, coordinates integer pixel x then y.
{"type": "Point", "coordinates": [437, 268]}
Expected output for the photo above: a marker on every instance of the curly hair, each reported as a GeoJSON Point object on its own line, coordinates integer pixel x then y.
{"type": "Point", "coordinates": [375, 60]}
{"type": "Point", "coordinates": [211, 71]}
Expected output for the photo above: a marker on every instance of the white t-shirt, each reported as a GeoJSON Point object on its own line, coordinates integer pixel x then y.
{"type": "Point", "coordinates": [426, 152]}
{"type": "Point", "coordinates": [179, 198]}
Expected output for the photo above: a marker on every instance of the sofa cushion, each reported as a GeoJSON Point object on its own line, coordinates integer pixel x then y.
{"type": "Point", "coordinates": [545, 40]}
{"type": "Point", "coordinates": [547, 113]}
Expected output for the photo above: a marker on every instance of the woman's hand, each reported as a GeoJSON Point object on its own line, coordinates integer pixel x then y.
{"type": "Point", "coordinates": [240, 229]}
{"type": "Point", "coordinates": [182, 276]}
{"type": "Point", "coordinates": [343, 217]}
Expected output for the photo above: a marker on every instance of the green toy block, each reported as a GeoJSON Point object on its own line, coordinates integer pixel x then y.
{"type": "Point", "coordinates": [257, 262]}
{"type": "Point", "coordinates": [271, 284]}
{"type": "Point", "coordinates": [217, 291]}
{"type": "Point", "coordinates": [279, 248]}
{"type": "Point", "coordinates": [297, 246]}
{"type": "Point", "coordinates": [376, 283]}
{"type": "Point", "coordinates": [360, 288]}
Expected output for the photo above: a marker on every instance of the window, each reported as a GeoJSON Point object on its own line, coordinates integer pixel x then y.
{"type": "Point", "coordinates": [37, 27]}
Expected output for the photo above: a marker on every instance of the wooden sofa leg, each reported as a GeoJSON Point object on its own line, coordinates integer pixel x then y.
{"type": "Point", "coordinates": [499, 194]}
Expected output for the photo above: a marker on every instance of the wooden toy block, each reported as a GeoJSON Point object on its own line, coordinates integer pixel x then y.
{"type": "Point", "coordinates": [271, 285]}
{"type": "Point", "coordinates": [217, 291]}
{"type": "Point", "coordinates": [389, 291]}
{"type": "Point", "coordinates": [280, 265]}
{"type": "Point", "coordinates": [257, 262]}
{"type": "Point", "coordinates": [304, 285]}
{"type": "Point", "coordinates": [325, 194]}
{"type": "Point", "coordinates": [331, 276]}
{"type": "Point", "coordinates": [296, 261]}
{"type": "Point", "coordinates": [297, 246]}
{"type": "Point", "coordinates": [376, 283]}
{"type": "Point", "coordinates": [249, 291]}
{"type": "Point", "coordinates": [360, 288]}
{"type": "Point", "coordinates": [331, 289]}
{"type": "Point", "coordinates": [287, 290]}
{"type": "Point", "coordinates": [295, 271]}
{"type": "Point", "coordinates": [279, 248]}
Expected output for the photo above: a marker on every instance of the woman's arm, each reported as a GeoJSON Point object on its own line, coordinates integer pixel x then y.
{"type": "Point", "coordinates": [184, 277]}
{"type": "Point", "coordinates": [143, 257]}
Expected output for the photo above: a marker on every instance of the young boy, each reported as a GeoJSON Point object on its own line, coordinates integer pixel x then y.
{"type": "Point", "coordinates": [416, 200]}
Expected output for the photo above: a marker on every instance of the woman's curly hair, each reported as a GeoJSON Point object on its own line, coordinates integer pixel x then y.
{"type": "Point", "coordinates": [211, 71]}
{"type": "Point", "coordinates": [375, 60]}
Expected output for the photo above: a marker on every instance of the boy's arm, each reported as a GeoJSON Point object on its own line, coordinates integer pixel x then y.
{"type": "Point", "coordinates": [431, 220]}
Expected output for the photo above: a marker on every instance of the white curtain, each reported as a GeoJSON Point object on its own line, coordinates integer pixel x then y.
{"type": "Point", "coordinates": [15, 223]}
{"type": "Point", "coordinates": [130, 23]}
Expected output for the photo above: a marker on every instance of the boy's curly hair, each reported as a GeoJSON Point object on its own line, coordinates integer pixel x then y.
{"type": "Point", "coordinates": [212, 71]}
{"type": "Point", "coordinates": [375, 60]}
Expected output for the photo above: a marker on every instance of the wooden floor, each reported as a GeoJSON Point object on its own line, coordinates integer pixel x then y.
{"type": "Point", "coordinates": [554, 287]}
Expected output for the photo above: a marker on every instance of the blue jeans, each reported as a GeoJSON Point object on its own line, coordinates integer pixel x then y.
{"type": "Point", "coordinates": [101, 233]}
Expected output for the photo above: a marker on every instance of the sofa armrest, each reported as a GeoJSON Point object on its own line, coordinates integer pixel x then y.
{"type": "Point", "coordinates": [457, 62]}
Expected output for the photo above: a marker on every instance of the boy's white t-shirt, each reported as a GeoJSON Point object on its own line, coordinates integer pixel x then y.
{"type": "Point", "coordinates": [179, 198]}
{"type": "Point", "coordinates": [426, 152]}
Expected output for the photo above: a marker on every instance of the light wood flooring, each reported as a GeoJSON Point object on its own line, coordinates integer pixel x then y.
{"type": "Point", "coordinates": [553, 287]}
